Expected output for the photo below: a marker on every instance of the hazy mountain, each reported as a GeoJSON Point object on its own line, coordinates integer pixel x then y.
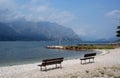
{"type": "Point", "coordinates": [24, 30]}
{"type": "Point", "coordinates": [7, 33]}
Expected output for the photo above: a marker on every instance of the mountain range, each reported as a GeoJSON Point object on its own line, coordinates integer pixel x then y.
{"type": "Point", "coordinates": [35, 31]}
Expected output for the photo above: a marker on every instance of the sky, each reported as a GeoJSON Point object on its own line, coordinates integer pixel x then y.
{"type": "Point", "coordinates": [90, 19]}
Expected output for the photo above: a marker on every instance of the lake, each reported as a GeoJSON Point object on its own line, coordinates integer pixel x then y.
{"type": "Point", "coordinates": [25, 52]}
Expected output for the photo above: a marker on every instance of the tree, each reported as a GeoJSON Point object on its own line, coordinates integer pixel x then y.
{"type": "Point", "coordinates": [118, 31]}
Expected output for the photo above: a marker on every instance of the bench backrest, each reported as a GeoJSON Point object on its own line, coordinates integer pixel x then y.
{"type": "Point", "coordinates": [52, 61]}
{"type": "Point", "coordinates": [90, 55]}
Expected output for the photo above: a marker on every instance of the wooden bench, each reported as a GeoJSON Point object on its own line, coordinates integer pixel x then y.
{"type": "Point", "coordinates": [51, 62]}
{"type": "Point", "coordinates": [88, 57]}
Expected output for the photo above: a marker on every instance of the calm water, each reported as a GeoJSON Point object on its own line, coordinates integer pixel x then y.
{"type": "Point", "coordinates": [13, 53]}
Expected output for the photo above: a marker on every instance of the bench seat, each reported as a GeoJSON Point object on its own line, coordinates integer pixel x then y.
{"type": "Point", "coordinates": [51, 62]}
{"type": "Point", "coordinates": [88, 57]}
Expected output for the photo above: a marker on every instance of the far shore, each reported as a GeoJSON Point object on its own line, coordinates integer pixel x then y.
{"type": "Point", "coordinates": [106, 65]}
{"type": "Point", "coordinates": [80, 47]}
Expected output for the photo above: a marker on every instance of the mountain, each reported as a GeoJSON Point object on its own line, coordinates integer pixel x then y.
{"type": "Point", "coordinates": [7, 33]}
{"type": "Point", "coordinates": [35, 31]}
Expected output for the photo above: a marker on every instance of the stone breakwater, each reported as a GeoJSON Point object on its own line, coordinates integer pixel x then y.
{"type": "Point", "coordinates": [55, 47]}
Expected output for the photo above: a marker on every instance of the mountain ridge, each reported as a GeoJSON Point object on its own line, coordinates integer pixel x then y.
{"type": "Point", "coordinates": [35, 31]}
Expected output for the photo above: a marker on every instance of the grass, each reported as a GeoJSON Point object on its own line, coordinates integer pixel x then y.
{"type": "Point", "coordinates": [89, 47]}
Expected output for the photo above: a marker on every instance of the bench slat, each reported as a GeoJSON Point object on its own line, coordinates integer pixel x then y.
{"type": "Point", "coordinates": [51, 61]}
{"type": "Point", "coordinates": [89, 55]}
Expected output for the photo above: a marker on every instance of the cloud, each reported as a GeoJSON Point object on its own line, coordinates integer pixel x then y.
{"type": "Point", "coordinates": [63, 17]}
{"type": "Point", "coordinates": [80, 31]}
{"type": "Point", "coordinates": [8, 10]}
{"type": "Point", "coordinates": [34, 10]}
{"type": "Point", "coordinates": [114, 14]}
{"type": "Point", "coordinates": [47, 13]}
{"type": "Point", "coordinates": [34, 1]}
{"type": "Point", "coordinates": [4, 4]}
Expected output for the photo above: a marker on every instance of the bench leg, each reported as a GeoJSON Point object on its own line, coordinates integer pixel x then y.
{"type": "Point", "coordinates": [45, 68]}
{"type": "Point", "coordinates": [40, 67]}
{"type": "Point", "coordinates": [89, 60]}
{"type": "Point", "coordinates": [60, 65]}
{"type": "Point", "coordinates": [85, 61]}
{"type": "Point", "coordinates": [56, 65]}
{"type": "Point", "coordinates": [81, 61]}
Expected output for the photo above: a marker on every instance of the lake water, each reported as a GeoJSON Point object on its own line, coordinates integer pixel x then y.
{"type": "Point", "coordinates": [14, 53]}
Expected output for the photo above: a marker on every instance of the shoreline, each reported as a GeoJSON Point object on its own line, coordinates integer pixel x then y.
{"type": "Point", "coordinates": [70, 68]}
{"type": "Point", "coordinates": [24, 62]}
{"type": "Point", "coordinates": [103, 52]}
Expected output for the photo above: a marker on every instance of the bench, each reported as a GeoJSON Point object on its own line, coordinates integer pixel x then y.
{"type": "Point", "coordinates": [88, 57]}
{"type": "Point", "coordinates": [51, 62]}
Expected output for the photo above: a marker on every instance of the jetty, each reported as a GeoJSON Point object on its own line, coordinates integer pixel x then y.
{"type": "Point", "coordinates": [55, 47]}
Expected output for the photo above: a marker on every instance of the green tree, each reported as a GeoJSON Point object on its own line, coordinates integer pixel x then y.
{"type": "Point", "coordinates": [118, 31]}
